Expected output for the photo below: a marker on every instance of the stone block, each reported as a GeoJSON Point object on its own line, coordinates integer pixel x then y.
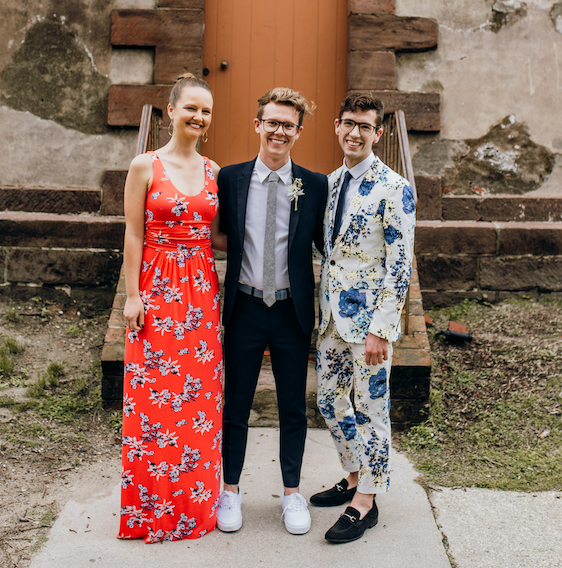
{"type": "Point", "coordinates": [432, 298]}
{"type": "Point", "coordinates": [428, 189]}
{"type": "Point", "coordinates": [517, 208]}
{"type": "Point", "coordinates": [64, 231]}
{"type": "Point", "coordinates": [422, 110]}
{"type": "Point", "coordinates": [119, 301]}
{"type": "Point", "coordinates": [121, 286]}
{"type": "Point", "coordinates": [438, 272]}
{"type": "Point", "coordinates": [455, 237]}
{"type": "Point", "coordinates": [116, 319]}
{"type": "Point", "coordinates": [165, 28]}
{"type": "Point", "coordinates": [171, 62]}
{"type": "Point", "coordinates": [181, 3]}
{"type": "Point", "coordinates": [461, 208]}
{"type": "Point", "coordinates": [410, 382]}
{"type": "Point", "coordinates": [371, 70]}
{"type": "Point", "coordinates": [3, 257]}
{"type": "Point", "coordinates": [391, 33]}
{"type": "Point", "coordinates": [521, 273]}
{"type": "Point", "coordinates": [113, 189]}
{"type": "Point", "coordinates": [50, 200]}
{"type": "Point", "coordinates": [405, 413]}
{"type": "Point", "coordinates": [113, 352]}
{"type": "Point", "coordinates": [58, 267]}
{"type": "Point", "coordinates": [126, 102]}
{"type": "Point", "coordinates": [410, 358]}
{"type": "Point", "coordinates": [372, 6]}
{"type": "Point", "coordinates": [115, 335]}
{"type": "Point", "coordinates": [530, 238]}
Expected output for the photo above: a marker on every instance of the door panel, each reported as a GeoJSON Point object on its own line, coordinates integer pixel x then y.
{"type": "Point", "coordinates": [300, 44]}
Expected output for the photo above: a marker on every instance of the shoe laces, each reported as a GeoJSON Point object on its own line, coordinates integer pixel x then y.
{"type": "Point", "coordinates": [295, 502]}
{"type": "Point", "coordinates": [228, 500]}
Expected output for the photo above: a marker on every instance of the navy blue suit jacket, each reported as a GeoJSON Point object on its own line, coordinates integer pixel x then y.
{"type": "Point", "coordinates": [305, 227]}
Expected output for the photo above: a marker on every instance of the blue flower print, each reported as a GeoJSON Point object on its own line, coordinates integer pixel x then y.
{"type": "Point", "coordinates": [347, 426]}
{"type": "Point", "coordinates": [408, 203]}
{"type": "Point", "coordinates": [361, 418]}
{"type": "Point", "coordinates": [377, 384]}
{"type": "Point", "coordinates": [351, 301]}
{"type": "Point", "coordinates": [382, 206]}
{"type": "Point", "coordinates": [365, 187]}
{"type": "Point", "coordinates": [327, 410]}
{"type": "Point", "coordinates": [391, 234]}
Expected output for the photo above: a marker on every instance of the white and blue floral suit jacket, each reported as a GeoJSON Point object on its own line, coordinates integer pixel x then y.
{"type": "Point", "coordinates": [366, 273]}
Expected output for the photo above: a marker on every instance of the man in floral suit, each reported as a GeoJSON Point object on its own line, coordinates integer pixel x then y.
{"type": "Point", "coordinates": [368, 248]}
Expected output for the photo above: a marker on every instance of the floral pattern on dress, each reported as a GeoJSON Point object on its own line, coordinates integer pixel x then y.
{"type": "Point", "coordinates": [172, 403]}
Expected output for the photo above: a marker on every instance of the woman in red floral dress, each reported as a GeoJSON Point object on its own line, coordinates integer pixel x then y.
{"type": "Point", "coordinates": [172, 403]}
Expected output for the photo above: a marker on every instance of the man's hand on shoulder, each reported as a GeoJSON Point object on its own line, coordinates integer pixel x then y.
{"type": "Point", "coordinates": [376, 350]}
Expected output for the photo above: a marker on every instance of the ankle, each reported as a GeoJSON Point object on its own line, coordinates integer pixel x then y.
{"type": "Point", "coordinates": [231, 488]}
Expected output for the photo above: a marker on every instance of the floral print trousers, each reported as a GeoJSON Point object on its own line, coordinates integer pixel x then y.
{"type": "Point", "coordinates": [354, 399]}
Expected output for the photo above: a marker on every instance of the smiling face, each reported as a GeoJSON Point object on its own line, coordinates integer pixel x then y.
{"type": "Point", "coordinates": [192, 112]}
{"type": "Point", "coordinates": [357, 146]}
{"type": "Point", "coordinates": [276, 146]}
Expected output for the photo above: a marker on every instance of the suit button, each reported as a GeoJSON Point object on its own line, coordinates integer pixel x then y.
{"type": "Point", "coordinates": [332, 262]}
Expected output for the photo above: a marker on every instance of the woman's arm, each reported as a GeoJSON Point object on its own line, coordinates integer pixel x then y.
{"type": "Point", "coordinates": [136, 185]}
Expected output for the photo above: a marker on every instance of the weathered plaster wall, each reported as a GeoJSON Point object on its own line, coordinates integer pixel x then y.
{"type": "Point", "coordinates": [55, 65]}
{"type": "Point", "coordinates": [496, 60]}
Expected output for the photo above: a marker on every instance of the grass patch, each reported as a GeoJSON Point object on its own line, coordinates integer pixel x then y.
{"type": "Point", "coordinates": [73, 330]}
{"type": "Point", "coordinates": [495, 412]}
{"type": "Point", "coordinates": [7, 364]}
{"type": "Point", "coordinates": [12, 315]}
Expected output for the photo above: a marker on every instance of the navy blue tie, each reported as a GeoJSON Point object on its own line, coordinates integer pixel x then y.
{"type": "Point", "coordinates": [339, 209]}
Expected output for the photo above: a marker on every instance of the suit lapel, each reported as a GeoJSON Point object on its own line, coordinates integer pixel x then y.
{"type": "Point", "coordinates": [242, 188]}
{"type": "Point", "coordinates": [367, 184]}
{"type": "Point", "coordinates": [295, 215]}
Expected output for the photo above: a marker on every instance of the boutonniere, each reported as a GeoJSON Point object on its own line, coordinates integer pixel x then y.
{"type": "Point", "coordinates": [295, 191]}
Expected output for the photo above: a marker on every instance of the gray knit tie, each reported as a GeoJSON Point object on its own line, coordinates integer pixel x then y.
{"type": "Point", "coordinates": [269, 242]}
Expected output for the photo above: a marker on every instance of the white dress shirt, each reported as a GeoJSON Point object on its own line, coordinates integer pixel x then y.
{"type": "Point", "coordinates": [251, 272]}
{"type": "Point", "coordinates": [357, 173]}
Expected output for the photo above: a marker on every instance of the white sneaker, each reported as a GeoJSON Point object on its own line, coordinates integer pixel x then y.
{"type": "Point", "coordinates": [229, 511]}
{"type": "Point", "coordinates": [295, 511]}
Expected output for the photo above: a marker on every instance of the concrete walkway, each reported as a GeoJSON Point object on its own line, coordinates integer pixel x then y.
{"type": "Point", "coordinates": [484, 529]}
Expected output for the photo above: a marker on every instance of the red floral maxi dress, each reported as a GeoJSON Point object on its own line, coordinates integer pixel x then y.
{"type": "Point", "coordinates": [172, 403]}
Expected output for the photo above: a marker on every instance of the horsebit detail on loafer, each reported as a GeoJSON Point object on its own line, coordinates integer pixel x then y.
{"type": "Point", "coordinates": [350, 517]}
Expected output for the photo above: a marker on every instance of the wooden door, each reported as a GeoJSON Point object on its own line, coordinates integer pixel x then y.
{"type": "Point", "coordinates": [301, 44]}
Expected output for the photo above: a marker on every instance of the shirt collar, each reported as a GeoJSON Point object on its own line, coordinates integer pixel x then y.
{"type": "Point", "coordinates": [360, 169]}
{"type": "Point", "coordinates": [285, 172]}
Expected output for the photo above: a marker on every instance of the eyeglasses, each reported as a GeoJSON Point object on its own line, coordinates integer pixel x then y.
{"type": "Point", "coordinates": [366, 129]}
{"type": "Point", "coordinates": [271, 126]}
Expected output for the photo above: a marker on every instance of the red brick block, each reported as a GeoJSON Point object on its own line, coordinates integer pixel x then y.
{"type": "Point", "coordinates": [429, 198]}
{"type": "Point", "coordinates": [422, 110]}
{"type": "Point", "coordinates": [83, 267]}
{"type": "Point", "coordinates": [371, 70]}
{"type": "Point", "coordinates": [119, 301]}
{"type": "Point", "coordinates": [521, 273]}
{"type": "Point", "coordinates": [530, 238]}
{"type": "Point", "coordinates": [410, 357]}
{"type": "Point", "coordinates": [517, 208]}
{"type": "Point", "coordinates": [457, 326]}
{"type": "Point", "coordinates": [171, 62]}
{"type": "Point", "coordinates": [113, 352]}
{"type": "Point", "coordinates": [454, 237]}
{"type": "Point", "coordinates": [391, 33]}
{"type": "Point", "coordinates": [372, 6]}
{"type": "Point", "coordinates": [461, 208]}
{"type": "Point", "coordinates": [126, 102]}
{"type": "Point", "coordinates": [50, 200]}
{"type": "Point", "coordinates": [164, 28]}
{"type": "Point", "coordinates": [113, 189]}
{"type": "Point", "coordinates": [448, 272]}
{"type": "Point", "coordinates": [64, 231]}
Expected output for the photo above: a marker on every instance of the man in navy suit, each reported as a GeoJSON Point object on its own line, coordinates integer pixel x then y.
{"type": "Point", "coordinates": [271, 211]}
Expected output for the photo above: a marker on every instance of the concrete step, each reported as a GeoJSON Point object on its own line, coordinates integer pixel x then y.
{"type": "Point", "coordinates": [50, 200]}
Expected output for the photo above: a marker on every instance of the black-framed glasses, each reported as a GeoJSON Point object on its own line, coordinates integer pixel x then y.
{"type": "Point", "coordinates": [365, 128]}
{"type": "Point", "coordinates": [271, 126]}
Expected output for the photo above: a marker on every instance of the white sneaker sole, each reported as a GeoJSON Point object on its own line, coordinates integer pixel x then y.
{"type": "Point", "coordinates": [229, 527]}
{"type": "Point", "coordinates": [298, 530]}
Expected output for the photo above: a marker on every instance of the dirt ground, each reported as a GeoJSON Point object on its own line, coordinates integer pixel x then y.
{"type": "Point", "coordinates": [51, 421]}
